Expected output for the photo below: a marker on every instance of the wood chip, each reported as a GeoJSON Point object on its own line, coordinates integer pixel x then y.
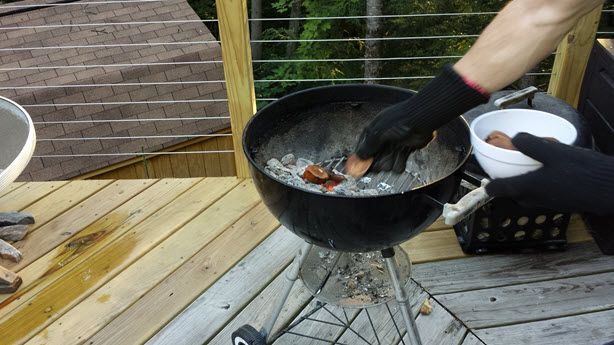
{"type": "Point", "coordinates": [13, 232]}
{"type": "Point", "coordinates": [14, 218]}
{"type": "Point", "coordinates": [10, 288]}
{"type": "Point", "coordinates": [426, 308]}
{"type": "Point", "coordinates": [9, 252]}
{"type": "Point", "coordinates": [357, 167]}
{"type": "Point", "coordinates": [7, 277]}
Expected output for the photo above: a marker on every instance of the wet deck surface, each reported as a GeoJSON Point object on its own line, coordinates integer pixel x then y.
{"type": "Point", "coordinates": [187, 261]}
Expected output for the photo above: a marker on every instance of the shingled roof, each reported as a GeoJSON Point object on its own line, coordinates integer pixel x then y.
{"type": "Point", "coordinates": [148, 95]}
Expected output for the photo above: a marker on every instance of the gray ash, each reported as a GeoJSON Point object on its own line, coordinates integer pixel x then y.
{"type": "Point", "coordinates": [290, 169]}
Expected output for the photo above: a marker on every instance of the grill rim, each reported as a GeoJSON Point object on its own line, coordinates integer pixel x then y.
{"type": "Point", "coordinates": [299, 94]}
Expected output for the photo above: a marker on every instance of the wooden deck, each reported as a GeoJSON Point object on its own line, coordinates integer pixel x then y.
{"type": "Point", "coordinates": [186, 261]}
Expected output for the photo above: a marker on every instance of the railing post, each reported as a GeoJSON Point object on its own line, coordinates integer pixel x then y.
{"type": "Point", "coordinates": [237, 58]}
{"type": "Point", "coordinates": [571, 59]}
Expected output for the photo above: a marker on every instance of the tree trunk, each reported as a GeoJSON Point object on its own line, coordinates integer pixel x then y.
{"type": "Point", "coordinates": [372, 48]}
{"type": "Point", "coordinates": [256, 29]}
{"type": "Point", "coordinates": [294, 26]}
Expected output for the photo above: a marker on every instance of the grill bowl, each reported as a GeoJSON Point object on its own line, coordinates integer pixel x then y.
{"type": "Point", "coordinates": [317, 124]}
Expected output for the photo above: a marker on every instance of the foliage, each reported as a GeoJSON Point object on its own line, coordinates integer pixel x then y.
{"type": "Point", "coordinates": [356, 28]}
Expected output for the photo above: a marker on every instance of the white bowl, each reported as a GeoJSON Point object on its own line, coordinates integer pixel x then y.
{"type": "Point", "coordinates": [500, 163]}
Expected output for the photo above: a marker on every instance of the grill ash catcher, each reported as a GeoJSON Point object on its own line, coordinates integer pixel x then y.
{"type": "Point", "coordinates": [351, 257]}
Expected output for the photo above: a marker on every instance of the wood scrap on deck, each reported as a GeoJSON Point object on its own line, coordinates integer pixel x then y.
{"type": "Point", "coordinates": [9, 281]}
{"type": "Point", "coordinates": [9, 252]}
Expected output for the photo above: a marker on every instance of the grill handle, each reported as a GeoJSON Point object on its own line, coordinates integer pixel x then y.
{"type": "Point", "coordinates": [469, 203]}
{"type": "Point", "coordinates": [513, 98]}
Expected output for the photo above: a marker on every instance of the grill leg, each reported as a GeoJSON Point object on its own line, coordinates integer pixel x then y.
{"type": "Point", "coordinates": [401, 297]}
{"type": "Point", "coordinates": [291, 276]}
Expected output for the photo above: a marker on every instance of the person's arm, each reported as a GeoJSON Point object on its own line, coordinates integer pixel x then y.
{"type": "Point", "coordinates": [519, 37]}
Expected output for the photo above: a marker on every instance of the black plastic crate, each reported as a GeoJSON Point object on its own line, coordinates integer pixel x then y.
{"type": "Point", "coordinates": [503, 224]}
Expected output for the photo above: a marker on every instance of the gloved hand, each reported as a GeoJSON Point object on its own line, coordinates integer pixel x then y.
{"type": "Point", "coordinates": [572, 179]}
{"type": "Point", "coordinates": [409, 125]}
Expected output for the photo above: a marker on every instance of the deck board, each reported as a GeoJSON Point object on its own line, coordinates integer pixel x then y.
{"type": "Point", "coordinates": [586, 329]}
{"type": "Point", "coordinates": [61, 200]}
{"type": "Point", "coordinates": [79, 283]}
{"type": "Point", "coordinates": [222, 301]}
{"type": "Point", "coordinates": [21, 198]}
{"type": "Point", "coordinates": [532, 301]}
{"type": "Point", "coordinates": [11, 187]}
{"type": "Point", "coordinates": [74, 220]}
{"type": "Point", "coordinates": [180, 288]}
{"type": "Point", "coordinates": [187, 261]}
{"type": "Point", "coordinates": [111, 299]}
{"type": "Point", "coordinates": [52, 266]}
{"type": "Point", "coordinates": [488, 271]}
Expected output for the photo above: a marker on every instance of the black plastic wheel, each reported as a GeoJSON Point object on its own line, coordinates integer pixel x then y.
{"type": "Point", "coordinates": [247, 335]}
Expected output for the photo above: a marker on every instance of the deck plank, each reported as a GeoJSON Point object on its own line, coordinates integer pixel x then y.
{"type": "Point", "coordinates": [229, 295]}
{"type": "Point", "coordinates": [11, 187]}
{"type": "Point", "coordinates": [65, 257]}
{"type": "Point", "coordinates": [384, 327]}
{"type": "Point", "coordinates": [317, 329]}
{"type": "Point", "coordinates": [21, 198]}
{"type": "Point", "coordinates": [74, 286]}
{"type": "Point", "coordinates": [532, 301]}
{"type": "Point", "coordinates": [63, 199]}
{"type": "Point", "coordinates": [439, 328]}
{"type": "Point", "coordinates": [74, 220]}
{"type": "Point", "coordinates": [259, 310]}
{"type": "Point", "coordinates": [119, 293]}
{"type": "Point", "coordinates": [586, 329]}
{"type": "Point", "coordinates": [471, 339]}
{"type": "Point", "coordinates": [433, 246]}
{"type": "Point", "coordinates": [155, 309]}
{"type": "Point", "coordinates": [480, 272]}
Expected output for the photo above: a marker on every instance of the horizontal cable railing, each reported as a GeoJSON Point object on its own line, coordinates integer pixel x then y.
{"type": "Point", "coordinates": [95, 110]}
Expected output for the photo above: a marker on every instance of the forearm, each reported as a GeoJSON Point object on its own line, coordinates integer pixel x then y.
{"type": "Point", "coordinates": [520, 36]}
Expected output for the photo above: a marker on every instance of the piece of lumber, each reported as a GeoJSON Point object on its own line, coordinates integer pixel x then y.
{"type": "Point", "coordinates": [10, 288]}
{"type": "Point", "coordinates": [328, 328]}
{"type": "Point", "coordinates": [79, 283]}
{"type": "Point", "coordinates": [11, 187]}
{"type": "Point", "coordinates": [439, 328]}
{"type": "Point", "coordinates": [211, 159]}
{"type": "Point", "coordinates": [15, 218]}
{"type": "Point", "coordinates": [259, 310]}
{"type": "Point", "coordinates": [385, 329]}
{"type": "Point", "coordinates": [8, 252]}
{"type": "Point", "coordinates": [471, 339]}
{"type": "Point", "coordinates": [488, 271]}
{"type": "Point", "coordinates": [13, 232]}
{"type": "Point", "coordinates": [71, 222]}
{"type": "Point", "coordinates": [237, 57]}
{"type": "Point", "coordinates": [590, 329]}
{"type": "Point", "coordinates": [155, 309]}
{"type": "Point", "coordinates": [28, 194]}
{"type": "Point", "coordinates": [534, 301]}
{"type": "Point", "coordinates": [572, 57]}
{"type": "Point", "coordinates": [63, 199]}
{"type": "Point", "coordinates": [433, 246]}
{"type": "Point", "coordinates": [117, 294]}
{"type": "Point", "coordinates": [227, 297]}
{"type": "Point", "coordinates": [67, 256]}
{"type": "Point", "coordinates": [7, 277]}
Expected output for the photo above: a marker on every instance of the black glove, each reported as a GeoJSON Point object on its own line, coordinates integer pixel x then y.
{"type": "Point", "coordinates": [406, 126]}
{"type": "Point", "coordinates": [572, 179]}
